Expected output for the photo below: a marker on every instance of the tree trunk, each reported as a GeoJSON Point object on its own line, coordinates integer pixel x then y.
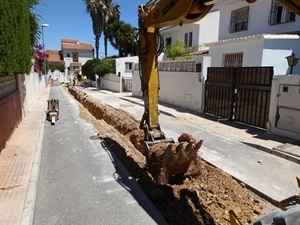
{"type": "Point", "coordinates": [97, 38]}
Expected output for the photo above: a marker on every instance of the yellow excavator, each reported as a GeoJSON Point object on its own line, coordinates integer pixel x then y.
{"type": "Point", "coordinates": [175, 157]}
{"type": "Point", "coordinates": [165, 157]}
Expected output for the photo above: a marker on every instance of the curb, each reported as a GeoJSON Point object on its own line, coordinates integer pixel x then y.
{"type": "Point", "coordinates": [30, 199]}
{"type": "Point", "coordinates": [275, 152]}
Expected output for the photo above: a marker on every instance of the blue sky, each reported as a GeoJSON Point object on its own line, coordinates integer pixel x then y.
{"type": "Point", "coordinates": [68, 19]}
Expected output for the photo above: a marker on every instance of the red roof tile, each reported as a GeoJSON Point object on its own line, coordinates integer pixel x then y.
{"type": "Point", "coordinates": [53, 56]}
{"type": "Point", "coordinates": [72, 44]}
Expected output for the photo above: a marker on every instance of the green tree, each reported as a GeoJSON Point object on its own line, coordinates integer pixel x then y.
{"type": "Point", "coordinates": [60, 67]}
{"type": "Point", "coordinates": [89, 68]}
{"type": "Point", "coordinates": [175, 50]}
{"type": "Point", "coordinates": [106, 66]}
{"type": "Point", "coordinates": [35, 31]}
{"type": "Point", "coordinates": [121, 36]}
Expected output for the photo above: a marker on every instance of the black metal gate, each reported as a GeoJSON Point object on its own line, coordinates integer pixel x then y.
{"type": "Point", "coordinates": [241, 94]}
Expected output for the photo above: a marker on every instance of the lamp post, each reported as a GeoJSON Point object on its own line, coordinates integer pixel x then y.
{"type": "Point", "coordinates": [44, 25]}
{"type": "Point", "coordinates": [292, 61]}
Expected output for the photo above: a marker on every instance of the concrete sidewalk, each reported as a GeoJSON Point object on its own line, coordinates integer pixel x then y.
{"type": "Point", "coordinates": [255, 137]}
{"type": "Point", "coordinates": [258, 138]}
{"type": "Point", "coordinates": [19, 165]}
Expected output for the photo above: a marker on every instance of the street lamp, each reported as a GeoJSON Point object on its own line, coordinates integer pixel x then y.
{"type": "Point", "coordinates": [292, 61]}
{"type": "Point", "coordinates": [44, 25]}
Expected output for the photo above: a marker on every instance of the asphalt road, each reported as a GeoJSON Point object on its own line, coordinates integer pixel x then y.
{"type": "Point", "coordinates": [81, 181]}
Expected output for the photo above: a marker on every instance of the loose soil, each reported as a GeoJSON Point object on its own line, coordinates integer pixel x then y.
{"type": "Point", "coordinates": [204, 195]}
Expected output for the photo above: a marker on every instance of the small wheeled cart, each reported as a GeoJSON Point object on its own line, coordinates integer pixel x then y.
{"type": "Point", "coordinates": [53, 110]}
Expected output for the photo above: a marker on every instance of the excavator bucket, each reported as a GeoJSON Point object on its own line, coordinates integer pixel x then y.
{"type": "Point", "coordinates": [167, 158]}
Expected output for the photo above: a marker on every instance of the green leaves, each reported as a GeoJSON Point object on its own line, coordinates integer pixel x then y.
{"type": "Point", "coordinates": [176, 50]}
{"type": "Point", "coordinates": [121, 37]}
{"type": "Point", "coordinates": [15, 37]}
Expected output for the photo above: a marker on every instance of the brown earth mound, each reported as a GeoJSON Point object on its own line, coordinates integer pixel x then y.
{"type": "Point", "coordinates": [204, 195]}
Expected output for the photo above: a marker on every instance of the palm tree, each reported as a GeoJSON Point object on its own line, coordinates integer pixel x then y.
{"type": "Point", "coordinates": [95, 9]}
{"type": "Point", "coordinates": [102, 12]}
{"type": "Point", "coordinates": [111, 15]}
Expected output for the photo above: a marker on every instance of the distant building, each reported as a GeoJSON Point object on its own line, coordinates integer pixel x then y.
{"type": "Point", "coordinates": [73, 55]}
{"type": "Point", "coordinates": [54, 57]}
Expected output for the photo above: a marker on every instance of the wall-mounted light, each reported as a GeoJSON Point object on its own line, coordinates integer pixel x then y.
{"type": "Point", "coordinates": [292, 61]}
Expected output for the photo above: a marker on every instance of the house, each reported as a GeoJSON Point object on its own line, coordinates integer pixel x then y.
{"type": "Point", "coordinates": [263, 33]}
{"type": "Point", "coordinates": [194, 35]}
{"type": "Point", "coordinates": [75, 54]}
{"type": "Point", "coordinates": [54, 57]}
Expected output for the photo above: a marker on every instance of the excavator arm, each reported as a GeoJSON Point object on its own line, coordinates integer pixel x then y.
{"type": "Point", "coordinates": [153, 16]}
{"type": "Point", "coordinates": [176, 157]}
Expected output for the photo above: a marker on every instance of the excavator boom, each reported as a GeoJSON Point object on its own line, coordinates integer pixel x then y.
{"type": "Point", "coordinates": [176, 157]}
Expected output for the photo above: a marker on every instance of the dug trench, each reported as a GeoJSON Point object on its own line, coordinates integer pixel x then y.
{"type": "Point", "coordinates": [203, 196]}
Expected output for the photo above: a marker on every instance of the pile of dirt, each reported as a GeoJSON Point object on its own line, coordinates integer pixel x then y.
{"type": "Point", "coordinates": [204, 195]}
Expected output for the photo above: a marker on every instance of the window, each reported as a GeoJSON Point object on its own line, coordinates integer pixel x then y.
{"type": "Point", "coordinates": [188, 39]}
{"type": "Point", "coordinates": [239, 20]}
{"type": "Point", "coordinates": [280, 14]}
{"type": "Point", "coordinates": [233, 59]}
{"type": "Point", "coordinates": [168, 41]}
{"type": "Point", "coordinates": [75, 56]}
{"type": "Point", "coordinates": [68, 55]}
{"type": "Point", "coordinates": [128, 66]}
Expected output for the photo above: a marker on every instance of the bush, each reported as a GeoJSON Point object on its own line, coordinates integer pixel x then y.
{"type": "Point", "coordinates": [176, 50]}
{"type": "Point", "coordinates": [106, 66]}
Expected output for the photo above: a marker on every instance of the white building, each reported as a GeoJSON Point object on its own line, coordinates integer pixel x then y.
{"type": "Point", "coordinates": [239, 18]}
{"type": "Point", "coordinates": [263, 33]}
{"type": "Point", "coordinates": [75, 54]}
{"type": "Point", "coordinates": [196, 34]}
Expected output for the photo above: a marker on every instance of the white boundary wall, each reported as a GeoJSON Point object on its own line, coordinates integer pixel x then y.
{"type": "Point", "coordinates": [30, 87]}
{"type": "Point", "coordinates": [180, 88]}
{"type": "Point", "coordinates": [111, 82]}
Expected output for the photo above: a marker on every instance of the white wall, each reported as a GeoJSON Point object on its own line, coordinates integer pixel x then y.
{"type": "Point", "coordinates": [289, 110]}
{"type": "Point", "coordinates": [111, 82]}
{"type": "Point", "coordinates": [30, 88]}
{"type": "Point", "coordinates": [83, 56]}
{"type": "Point", "coordinates": [180, 88]}
{"type": "Point", "coordinates": [259, 50]}
{"type": "Point", "coordinates": [275, 51]}
{"type": "Point", "coordinates": [120, 65]}
{"type": "Point", "coordinates": [251, 48]}
{"type": "Point", "coordinates": [204, 30]}
{"type": "Point", "coordinates": [257, 20]}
